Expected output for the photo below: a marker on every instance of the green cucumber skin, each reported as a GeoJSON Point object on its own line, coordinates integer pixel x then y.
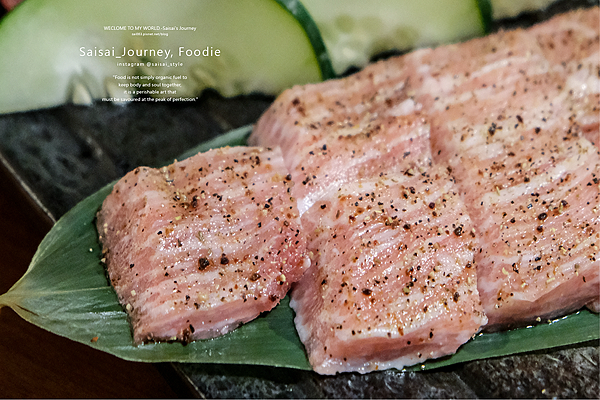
{"type": "Point", "coordinates": [264, 48]}
{"type": "Point", "coordinates": [297, 9]}
{"type": "Point", "coordinates": [486, 12]}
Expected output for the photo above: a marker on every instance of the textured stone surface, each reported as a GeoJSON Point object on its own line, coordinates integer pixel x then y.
{"type": "Point", "coordinates": [559, 373]}
{"type": "Point", "coordinates": [564, 373]}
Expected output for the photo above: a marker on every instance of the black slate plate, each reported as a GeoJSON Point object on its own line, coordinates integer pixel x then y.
{"type": "Point", "coordinates": [62, 155]}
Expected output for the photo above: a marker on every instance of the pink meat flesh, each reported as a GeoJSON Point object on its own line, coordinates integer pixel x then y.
{"type": "Point", "coordinates": [392, 281]}
{"type": "Point", "coordinates": [197, 248]}
{"type": "Point", "coordinates": [338, 131]}
{"type": "Point", "coordinates": [513, 117]}
{"type": "Point", "coordinates": [510, 115]}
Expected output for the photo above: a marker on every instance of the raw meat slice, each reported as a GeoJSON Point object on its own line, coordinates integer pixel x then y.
{"type": "Point", "coordinates": [505, 123]}
{"type": "Point", "coordinates": [535, 204]}
{"type": "Point", "coordinates": [196, 248]}
{"type": "Point", "coordinates": [572, 46]}
{"type": "Point", "coordinates": [341, 130]}
{"type": "Point", "coordinates": [352, 145]}
{"type": "Point", "coordinates": [392, 281]}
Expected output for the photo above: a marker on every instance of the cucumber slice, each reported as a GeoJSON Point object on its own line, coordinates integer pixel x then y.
{"type": "Point", "coordinates": [58, 51]}
{"type": "Point", "coordinates": [355, 31]}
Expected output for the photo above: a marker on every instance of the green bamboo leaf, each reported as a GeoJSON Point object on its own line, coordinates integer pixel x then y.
{"type": "Point", "coordinates": [578, 327]}
{"type": "Point", "coordinates": [65, 291]}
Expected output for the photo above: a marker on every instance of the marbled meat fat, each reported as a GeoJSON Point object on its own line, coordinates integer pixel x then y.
{"type": "Point", "coordinates": [203, 245]}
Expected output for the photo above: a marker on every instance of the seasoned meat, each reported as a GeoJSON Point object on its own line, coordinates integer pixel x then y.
{"type": "Point", "coordinates": [196, 248]}
{"type": "Point", "coordinates": [379, 219]}
{"type": "Point", "coordinates": [392, 281]}
{"type": "Point", "coordinates": [507, 116]}
{"type": "Point", "coordinates": [512, 117]}
{"type": "Point", "coordinates": [338, 131]}
{"type": "Point", "coordinates": [572, 46]}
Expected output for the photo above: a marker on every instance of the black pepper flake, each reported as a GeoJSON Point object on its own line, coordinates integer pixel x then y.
{"type": "Point", "coordinates": [203, 263]}
{"type": "Point", "coordinates": [458, 231]}
{"type": "Point", "coordinates": [224, 259]}
{"type": "Point", "coordinates": [367, 292]}
{"type": "Point", "coordinates": [542, 216]}
{"type": "Point", "coordinates": [255, 276]}
{"type": "Point", "coordinates": [538, 129]}
{"type": "Point", "coordinates": [131, 265]}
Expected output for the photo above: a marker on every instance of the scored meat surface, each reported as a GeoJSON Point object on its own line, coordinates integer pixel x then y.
{"type": "Point", "coordinates": [509, 115]}
{"type": "Point", "coordinates": [196, 248]}
{"type": "Point", "coordinates": [392, 281]}
{"type": "Point", "coordinates": [339, 131]}
{"type": "Point", "coordinates": [572, 46]}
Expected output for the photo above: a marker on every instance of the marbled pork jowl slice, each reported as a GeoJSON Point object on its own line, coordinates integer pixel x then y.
{"type": "Point", "coordinates": [571, 45]}
{"type": "Point", "coordinates": [365, 133]}
{"type": "Point", "coordinates": [196, 248]}
{"type": "Point", "coordinates": [509, 117]}
{"type": "Point", "coordinates": [392, 281]}
{"type": "Point", "coordinates": [341, 130]}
